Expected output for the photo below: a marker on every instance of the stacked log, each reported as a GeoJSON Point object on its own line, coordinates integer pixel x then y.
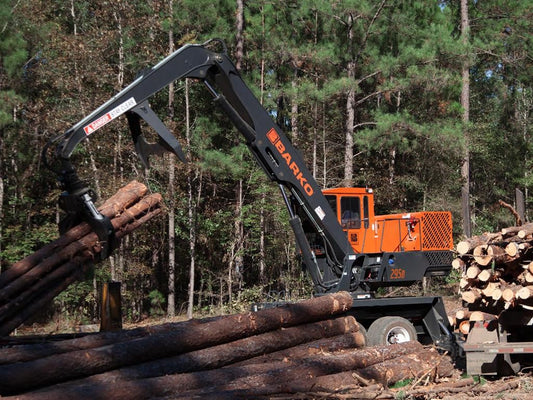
{"type": "Point", "coordinates": [300, 347]}
{"type": "Point", "coordinates": [30, 284]}
{"type": "Point", "coordinates": [496, 274]}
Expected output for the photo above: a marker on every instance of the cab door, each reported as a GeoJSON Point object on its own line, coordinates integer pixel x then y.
{"type": "Point", "coordinates": [350, 219]}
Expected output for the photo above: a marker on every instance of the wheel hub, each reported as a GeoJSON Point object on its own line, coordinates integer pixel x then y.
{"type": "Point", "coordinates": [398, 335]}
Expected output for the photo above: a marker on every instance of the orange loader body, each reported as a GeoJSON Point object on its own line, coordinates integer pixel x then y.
{"type": "Point", "coordinates": [370, 233]}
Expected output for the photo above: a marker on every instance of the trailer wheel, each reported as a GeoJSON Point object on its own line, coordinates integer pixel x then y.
{"type": "Point", "coordinates": [390, 330]}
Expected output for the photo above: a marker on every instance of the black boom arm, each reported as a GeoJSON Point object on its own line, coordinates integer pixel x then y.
{"type": "Point", "coordinates": [270, 147]}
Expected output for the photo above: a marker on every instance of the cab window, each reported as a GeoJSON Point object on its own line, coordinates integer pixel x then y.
{"type": "Point", "coordinates": [332, 200]}
{"type": "Point", "coordinates": [350, 212]}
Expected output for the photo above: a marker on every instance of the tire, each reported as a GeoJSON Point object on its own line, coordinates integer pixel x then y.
{"type": "Point", "coordinates": [390, 330]}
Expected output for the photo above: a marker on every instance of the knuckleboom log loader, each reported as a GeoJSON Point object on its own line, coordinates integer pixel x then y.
{"type": "Point", "coordinates": [344, 246]}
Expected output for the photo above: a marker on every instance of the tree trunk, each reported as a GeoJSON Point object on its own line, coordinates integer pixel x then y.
{"type": "Point", "coordinates": [171, 297]}
{"type": "Point", "coordinates": [1, 209]}
{"type": "Point", "coordinates": [465, 103]}
{"type": "Point", "coordinates": [294, 106]}
{"type": "Point", "coordinates": [350, 110]}
{"type": "Point", "coordinates": [237, 260]}
{"type": "Point", "coordinates": [191, 207]}
{"type": "Point", "coordinates": [239, 34]}
{"type": "Point", "coordinates": [262, 222]}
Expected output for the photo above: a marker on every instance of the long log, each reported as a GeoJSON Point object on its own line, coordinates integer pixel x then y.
{"type": "Point", "coordinates": [512, 249]}
{"type": "Point", "coordinates": [79, 267]}
{"type": "Point", "coordinates": [228, 378]}
{"type": "Point", "coordinates": [125, 223]}
{"type": "Point", "coordinates": [466, 246]}
{"type": "Point", "coordinates": [30, 301]}
{"type": "Point", "coordinates": [232, 352]}
{"type": "Point", "coordinates": [462, 314]}
{"type": "Point", "coordinates": [410, 366]}
{"type": "Point", "coordinates": [489, 275]}
{"type": "Point", "coordinates": [464, 327]}
{"type": "Point", "coordinates": [80, 244]}
{"type": "Point", "coordinates": [28, 352]}
{"type": "Point", "coordinates": [41, 289]}
{"type": "Point", "coordinates": [335, 386]}
{"type": "Point", "coordinates": [509, 293]}
{"type": "Point", "coordinates": [482, 316]}
{"type": "Point", "coordinates": [124, 197]}
{"type": "Point", "coordinates": [526, 231]}
{"type": "Point", "coordinates": [471, 296]}
{"type": "Point", "coordinates": [525, 293]}
{"type": "Point", "coordinates": [458, 264]}
{"type": "Point", "coordinates": [486, 254]}
{"type": "Point", "coordinates": [62, 367]}
{"type": "Point", "coordinates": [472, 272]}
{"type": "Point", "coordinates": [325, 345]}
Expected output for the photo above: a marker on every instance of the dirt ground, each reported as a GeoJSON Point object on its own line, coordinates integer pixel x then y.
{"type": "Point", "coordinates": [518, 387]}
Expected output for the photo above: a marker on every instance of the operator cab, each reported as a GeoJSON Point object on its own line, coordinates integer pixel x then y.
{"type": "Point", "coordinates": [354, 208]}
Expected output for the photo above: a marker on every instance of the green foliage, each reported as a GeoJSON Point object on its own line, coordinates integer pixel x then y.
{"type": "Point", "coordinates": [401, 395]}
{"type": "Point", "coordinates": [8, 100]}
{"type": "Point", "coordinates": [58, 63]}
{"type": "Point", "coordinates": [454, 277]}
{"type": "Point", "coordinates": [21, 242]}
{"type": "Point", "coordinates": [14, 54]}
{"type": "Point", "coordinates": [157, 302]}
{"type": "Point", "coordinates": [77, 302]}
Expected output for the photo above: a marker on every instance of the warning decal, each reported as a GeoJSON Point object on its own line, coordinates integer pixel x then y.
{"type": "Point", "coordinates": [111, 115]}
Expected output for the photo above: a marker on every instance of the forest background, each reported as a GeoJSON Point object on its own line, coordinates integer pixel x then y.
{"type": "Point", "coordinates": [428, 102]}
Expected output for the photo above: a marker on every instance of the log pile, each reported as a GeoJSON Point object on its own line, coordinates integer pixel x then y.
{"type": "Point", "coordinates": [496, 274]}
{"type": "Point", "coordinates": [309, 346]}
{"type": "Point", "coordinates": [30, 284]}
